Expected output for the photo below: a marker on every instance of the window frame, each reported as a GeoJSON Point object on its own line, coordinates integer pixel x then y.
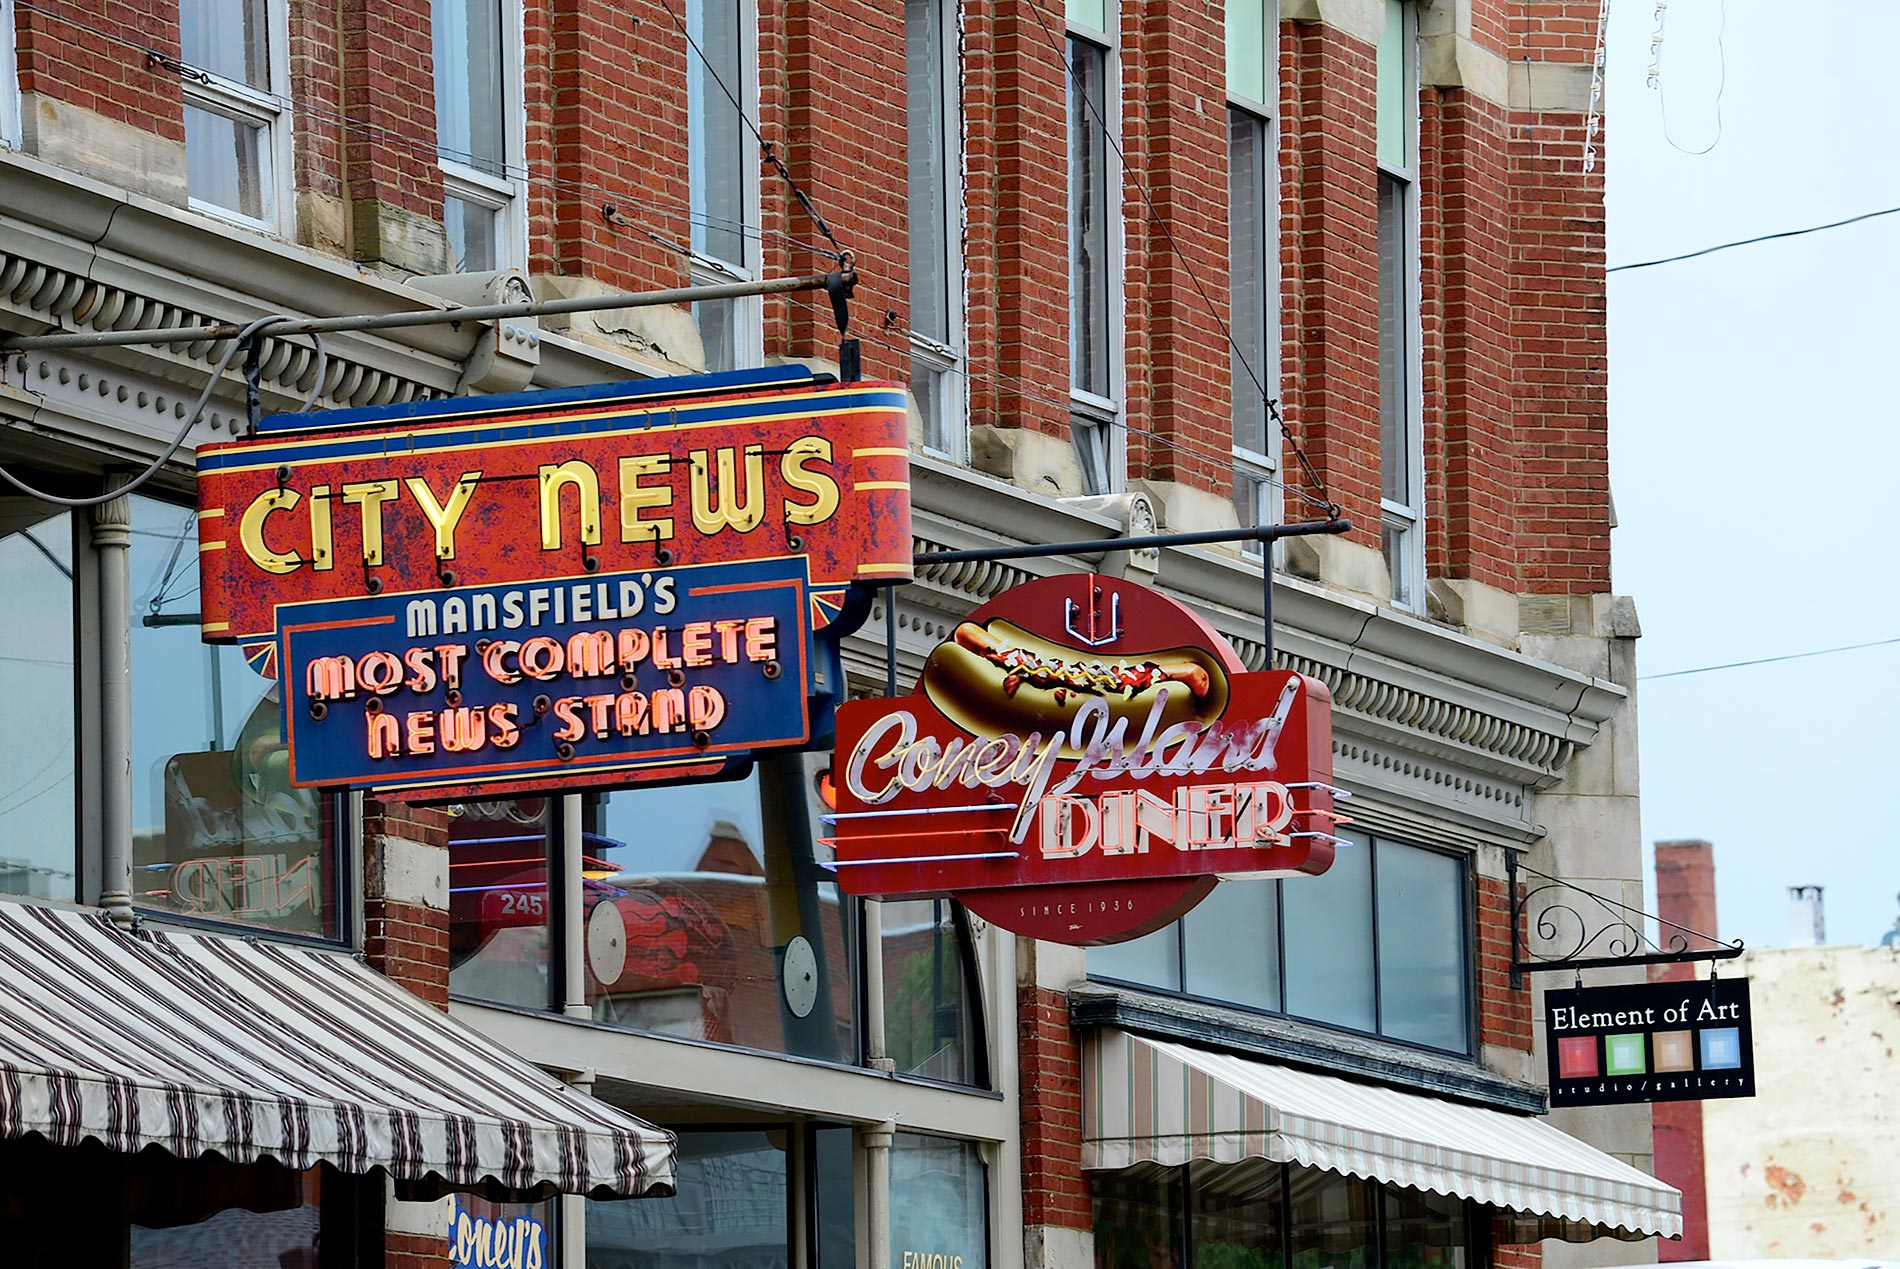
{"type": "Point", "coordinates": [1104, 462]}
{"type": "Point", "coordinates": [946, 361]}
{"type": "Point", "coordinates": [505, 195]}
{"type": "Point", "coordinates": [1260, 469]}
{"type": "Point", "coordinates": [268, 108]}
{"type": "Point", "coordinates": [9, 76]}
{"type": "Point", "coordinates": [1466, 921]}
{"type": "Point", "coordinates": [1406, 564]}
{"type": "Point", "coordinates": [747, 347]}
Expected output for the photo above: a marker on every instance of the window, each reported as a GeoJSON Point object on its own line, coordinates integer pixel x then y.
{"type": "Point", "coordinates": [1253, 256]}
{"type": "Point", "coordinates": [219, 833]}
{"type": "Point", "coordinates": [938, 1203]}
{"type": "Point", "coordinates": [930, 991]}
{"type": "Point", "coordinates": [500, 914]}
{"type": "Point", "coordinates": [38, 760]}
{"type": "Point", "coordinates": [9, 78]}
{"type": "Point", "coordinates": [476, 86]}
{"type": "Point", "coordinates": [237, 138]}
{"type": "Point", "coordinates": [722, 177]}
{"type": "Point", "coordinates": [1094, 239]}
{"type": "Point", "coordinates": [1401, 453]}
{"type": "Point", "coordinates": [936, 256]}
{"type": "Point", "coordinates": [1378, 943]}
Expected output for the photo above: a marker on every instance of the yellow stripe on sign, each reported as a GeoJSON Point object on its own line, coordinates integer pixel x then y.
{"type": "Point", "coordinates": [211, 546]}
{"type": "Point", "coordinates": [876, 451]}
{"type": "Point", "coordinates": [884, 568]}
{"type": "Point", "coordinates": [880, 484]}
{"type": "Point", "coordinates": [214, 513]}
{"type": "Point", "coordinates": [215, 627]}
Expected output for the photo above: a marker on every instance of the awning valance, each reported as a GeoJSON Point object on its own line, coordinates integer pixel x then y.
{"type": "Point", "coordinates": [257, 1050]}
{"type": "Point", "coordinates": [1153, 1102]}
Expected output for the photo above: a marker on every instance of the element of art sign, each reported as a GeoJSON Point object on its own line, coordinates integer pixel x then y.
{"type": "Point", "coordinates": [1083, 760]}
{"type": "Point", "coordinates": [1652, 1042]}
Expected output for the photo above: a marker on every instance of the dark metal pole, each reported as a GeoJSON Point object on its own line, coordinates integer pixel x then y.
{"type": "Point", "coordinates": [890, 641]}
{"type": "Point", "coordinates": [1264, 534]}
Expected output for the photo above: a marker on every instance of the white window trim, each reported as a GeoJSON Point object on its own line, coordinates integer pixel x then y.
{"type": "Point", "coordinates": [950, 360]}
{"type": "Point", "coordinates": [507, 195]}
{"type": "Point", "coordinates": [10, 135]}
{"type": "Point", "coordinates": [1088, 409]}
{"type": "Point", "coordinates": [1409, 518]}
{"type": "Point", "coordinates": [268, 108]}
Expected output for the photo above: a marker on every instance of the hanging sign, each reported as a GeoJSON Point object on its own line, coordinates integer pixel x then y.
{"type": "Point", "coordinates": [498, 595]}
{"type": "Point", "coordinates": [1084, 758]}
{"type": "Point", "coordinates": [1651, 1042]}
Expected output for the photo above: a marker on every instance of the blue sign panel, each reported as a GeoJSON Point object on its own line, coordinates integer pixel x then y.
{"type": "Point", "coordinates": [560, 679]}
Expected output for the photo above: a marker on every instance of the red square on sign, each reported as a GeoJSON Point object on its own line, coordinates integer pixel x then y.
{"type": "Point", "coordinates": [1577, 1057]}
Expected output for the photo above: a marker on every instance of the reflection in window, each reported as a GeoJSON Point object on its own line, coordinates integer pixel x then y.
{"type": "Point", "coordinates": [1329, 919]}
{"type": "Point", "coordinates": [1425, 1231]}
{"type": "Point", "coordinates": [499, 947]}
{"type": "Point", "coordinates": [718, 886]}
{"type": "Point", "coordinates": [526, 1231]}
{"type": "Point", "coordinates": [1422, 985]}
{"type": "Point", "coordinates": [37, 760]}
{"type": "Point", "coordinates": [731, 1211]}
{"type": "Point", "coordinates": [928, 1000]}
{"type": "Point", "coordinates": [1330, 1221]}
{"type": "Point", "coordinates": [716, 133]}
{"type": "Point", "coordinates": [261, 1226]}
{"type": "Point", "coordinates": [939, 1201]}
{"type": "Point", "coordinates": [219, 832]}
{"type": "Point", "coordinates": [1237, 1216]}
{"type": "Point", "coordinates": [1233, 945]}
{"type": "Point", "coordinates": [1137, 1221]}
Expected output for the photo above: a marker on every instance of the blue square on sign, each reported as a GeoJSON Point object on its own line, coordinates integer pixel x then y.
{"type": "Point", "coordinates": [1721, 1048]}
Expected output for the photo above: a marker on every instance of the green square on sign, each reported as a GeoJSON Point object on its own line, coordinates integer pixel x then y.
{"type": "Point", "coordinates": [1623, 1054]}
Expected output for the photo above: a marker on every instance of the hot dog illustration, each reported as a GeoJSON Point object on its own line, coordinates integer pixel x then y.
{"type": "Point", "coordinates": [996, 678]}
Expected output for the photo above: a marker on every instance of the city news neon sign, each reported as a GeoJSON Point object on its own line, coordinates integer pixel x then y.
{"type": "Point", "coordinates": [1084, 759]}
{"type": "Point", "coordinates": [495, 596]}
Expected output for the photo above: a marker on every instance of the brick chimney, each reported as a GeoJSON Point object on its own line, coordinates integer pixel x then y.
{"type": "Point", "coordinates": [1685, 894]}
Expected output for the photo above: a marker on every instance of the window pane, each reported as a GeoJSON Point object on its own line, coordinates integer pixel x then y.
{"type": "Point", "coordinates": [1424, 1230]}
{"type": "Point", "coordinates": [1251, 505]}
{"type": "Point", "coordinates": [37, 761]}
{"type": "Point", "coordinates": [474, 1221]}
{"type": "Point", "coordinates": [469, 93]}
{"type": "Point", "coordinates": [932, 388]}
{"type": "Point", "coordinates": [1233, 945]}
{"type": "Point", "coordinates": [1249, 263]}
{"type": "Point", "coordinates": [1328, 922]}
{"type": "Point", "coordinates": [472, 235]}
{"type": "Point", "coordinates": [929, 158]}
{"type": "Point", "coordinates": [1421, 946]}
{"type": "Point", "coordinates": [717, 137]}
{"type": "Point", "coordinates": [1092, 13]}
{"type": "Point", "coordinates": [1094, 448]}
{"type": "Point", "coordinates": [289, 1234]}
{"type": "Point", "coordinates": [1332, 1222]}
{"type": "Point", "coordinates": [1395, 443]}
{"type": "Point", "coordinates": [218, 830]}
{"type": "Point", "coordinates": [927, 1002]}
{"type": "Point", "coordinates": [1393, 111]}
{"type": "Point", "coordinates": [225, 162]}
{"type": "Point", "coordinates": [1153, 960]}
{"type": "Point", "coordinates": [719, 885]}
{"type": "Point", "coordinates": [1247, 48]}
{"type": "Point", "coordinates": [939, 1203]}
{"type": "Point", "coordinates": [718, 333]}
{"type": "Point", "coordinates": [730, 1212]}
{"type": "Point", "coordinates": [1236, 1216]}
{"type": "Point", "coordinates": [229, 38]}
{"type": "Point", "coordinates": [1137, 1221]}
{"type": "Point", "coordinates": [499, 913]}
{"type": "Point", "coordinates": [835, 1191]}
{"type": "Point", "coordinates": [1090, 238]}
{"type": "Point", "coordinates": [1398, 561]}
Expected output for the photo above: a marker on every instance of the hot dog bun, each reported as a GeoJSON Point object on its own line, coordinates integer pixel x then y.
{"type": "Point", "coordinates": [964, 680]}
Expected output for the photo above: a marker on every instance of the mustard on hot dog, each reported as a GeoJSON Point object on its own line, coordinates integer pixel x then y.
{"type": "Point", "coordinates": [996, 678]}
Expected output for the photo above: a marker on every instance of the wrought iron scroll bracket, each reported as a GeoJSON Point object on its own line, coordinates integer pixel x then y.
{"type": "Point", "coordinates": [1591, 922]}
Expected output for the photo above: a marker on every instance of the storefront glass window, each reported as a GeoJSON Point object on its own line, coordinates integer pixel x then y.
{"type": "Point", "coordinates": [1236, 1220]}
{"type": "Point", "coordinates": [733, 931]}
{"type": "Point", "coordinates": [484, 1233]}
{"type": "Point", "coordinates": [835, 1195]}
{"type": "Point", "coordinates": [1421, 946]}
{"type": "Point", "coordinates": [928, 1000]}
{"type": "Point", "coordinates": [1233, 945]}
{"type": "Point", "coordinates": [1330, 1221]}
{"type": "Point", "coordinates": [218, 830]}
{"type": "Point", "coordinates": [1329, 941]}
{"type": "Point", "coordinates": [732, 1210]}
{"type": "Point", "coordinates": [1138, 1221]}
{"type": "Point", "coordinates": [499, 945]}
{"type": "Point", "coordinates": [1425, 1231]}
{"type": "Point", "coordinates": [939, 1204]}
{"type": "Point", "coordinates": [1154, 959]}
{"type": "Point", "coordinates": [38, 755]}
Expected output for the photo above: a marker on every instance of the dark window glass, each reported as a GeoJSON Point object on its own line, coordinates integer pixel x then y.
{"type": "Point", "coordinates": [731, 1211]}
{"type": "Point", "coordinates": [1425, 1231]}
{"type": "Point", "coordinates": [500, 949]}
{"type": "Point", "coordinates": [1233, 945]}
{"type": "Point", "coordinates": [835, 1194]}
{"type": "Point", "coordinates": [1329, 936]}
{"type": "Point", "coordinates": [1422, 946]}
{"type": "Point", "coordinates": [925, 65]}
{"type": "Point", "coordinates": [1235, 1216]}
{"type": "Point", "coordinates": [1395, 443]}
{"type": "Point", "coordinates": [1250, 269]}
{"type": "Point", "coordinates": [939, 1203]}
{"type": "Point", "coordinates": [1091, 238]}
{"type": "Point", "coordinates": [469, 94]}
{"type": "Point", "coordinates": [1153, 959]}
{"type": "Point", "coordinates": [733, 930]}
{"type": "Point", "coordinates": [928, 1001]}
{"type": "Point", "coordinates": [716, 132]}
{"type": "Point", "coordinates": [38, 755]}
{"type": "Point", "coordinates": [1138, 1220]}
{"type": "Point", "coordinates": [1331, 1221]}
{"type": "Point", "coordinates": [218, 831]}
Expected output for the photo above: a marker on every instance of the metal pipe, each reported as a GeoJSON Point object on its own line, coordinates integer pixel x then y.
{"type": "Point", "coordinates": [418, 317]}
{"type": "Point", "coordinates": [877, 1156]}
{"type": "Point", "coordinates": [573, 938]}
{"type": "Point", "coordinates": [112, 540]}
{"type": "Point", "coordinates": [1267, 534]}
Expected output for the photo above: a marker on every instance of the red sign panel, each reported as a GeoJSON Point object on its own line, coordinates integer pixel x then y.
{"type": "Point", "coordinates": [1083, 761]}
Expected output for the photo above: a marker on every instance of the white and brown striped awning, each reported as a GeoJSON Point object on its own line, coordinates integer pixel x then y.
{"type": "Point", "coordinates": [1149, 1103]}
{"type": "Point", "coordinates": [254, 1050]}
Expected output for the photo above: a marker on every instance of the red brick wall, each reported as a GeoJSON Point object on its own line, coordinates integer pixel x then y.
{"type": "Point", "coordinates": [388, 91]}
{"type": "Point", "coordinates": [406, 941]}
{"type": "Point", "coordinates": [1513, 1255]}
{"type": "Point", "coordinates": [1055, 1191]}
{"type": "Point", "coordinates": [108, 76]}
{"type": "Point", "coordinates": [414, 1251]}
{"type": "Point", "coordinates": [1504, 1013]}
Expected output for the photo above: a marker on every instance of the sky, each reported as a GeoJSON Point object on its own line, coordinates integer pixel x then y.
{"type": "Point", "coordinates": [1754, 452]}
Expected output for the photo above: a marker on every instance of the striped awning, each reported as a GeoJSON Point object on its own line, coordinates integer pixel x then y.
{"type": "Point", "coordinates": [1148, 1102]}
{"type": "Point", "coordinates": [258, 1050]}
